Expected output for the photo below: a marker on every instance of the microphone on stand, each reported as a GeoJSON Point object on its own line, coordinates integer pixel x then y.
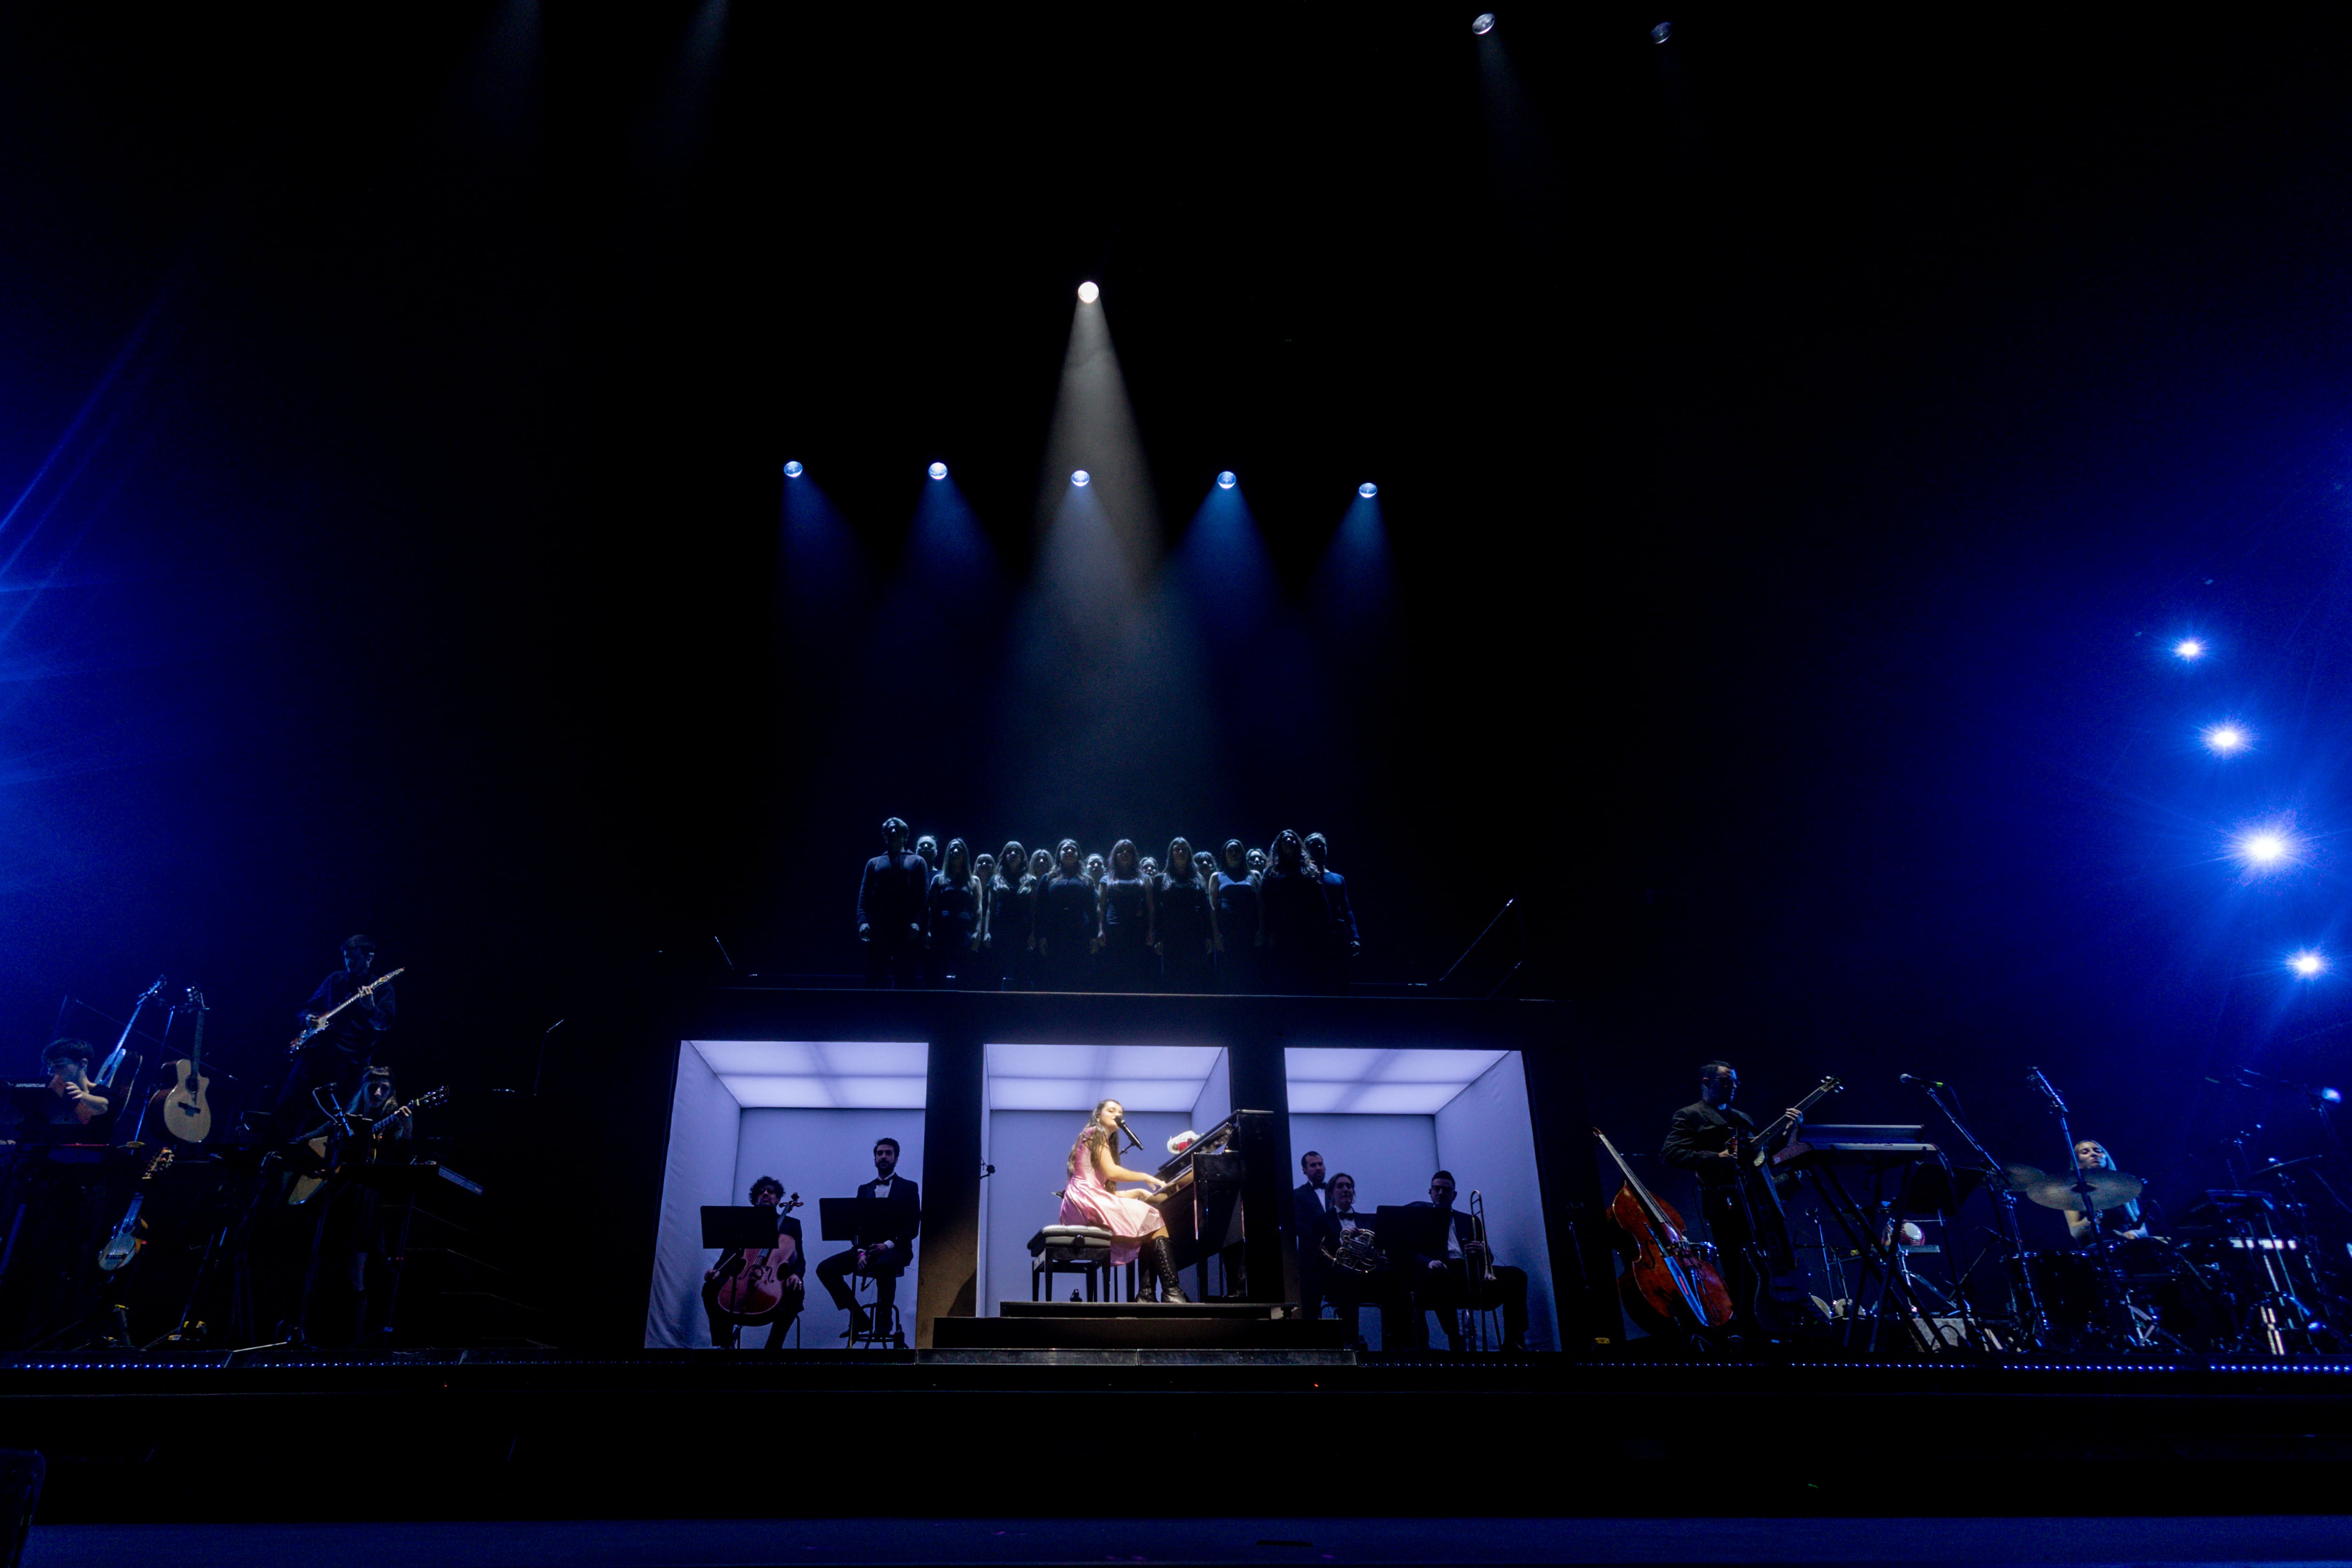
{"type": "Point", "coordinates": [1922, 1082]}
{"type": "Point", "coordinates": [1132, 1140]}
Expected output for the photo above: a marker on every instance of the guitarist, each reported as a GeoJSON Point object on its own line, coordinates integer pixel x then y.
{"type": "Point", "coordinates": [335, 1058]}
{"type": "Point", "coordinates": [1704, 1139]}
{"type": "Point", "coordinates": [767, 1193]}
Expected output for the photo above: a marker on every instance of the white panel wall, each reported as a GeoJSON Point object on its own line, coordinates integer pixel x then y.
{"type": "Point", "coordinates": [1486, 1138]}
{"type": "Point", "coordinates": [825, 1154]}
{"type": "Point", "coordinates": [1217, 1102]}
{"type": "Point", "coordinates": [1028, 1149]}
{"type": "Point", "coordinates": [1390, 1156]}
{"type": "Point", "coordinates": [700, 1169]}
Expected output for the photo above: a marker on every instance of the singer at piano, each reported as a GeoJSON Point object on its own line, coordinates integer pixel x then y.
{"type": "Point", "coordinates": [2122, 1222]}
{"type": "Point", "coordinates": [74, 1100]}
{"type": "Point", "coordinates": [1700, 1141]}
{"type": "Point", "coordinates": [1089, 1198]}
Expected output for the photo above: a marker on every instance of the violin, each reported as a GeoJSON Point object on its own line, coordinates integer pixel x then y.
{"type": "Point", "coordinates": [756, 1286]}
{"type": "Point", "coordinates": [1671, 1282]}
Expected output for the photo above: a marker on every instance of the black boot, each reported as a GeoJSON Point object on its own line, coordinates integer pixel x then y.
{"type": "Point", "coordinates": [1163, 1264]}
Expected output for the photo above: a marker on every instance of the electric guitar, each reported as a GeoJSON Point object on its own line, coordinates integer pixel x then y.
{"type": "Point", "coordinates": [318, 1022]}
{"type": "Point", "coordinates": [306, 1183]}
{"type": "Point", "coordinates": [124, 1243]}
{"type": "Point", "coordinates": [186, 1115]}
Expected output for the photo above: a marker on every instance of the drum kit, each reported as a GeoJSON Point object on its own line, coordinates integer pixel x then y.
{"type": "Point", "coordinates": [2236, 1277]}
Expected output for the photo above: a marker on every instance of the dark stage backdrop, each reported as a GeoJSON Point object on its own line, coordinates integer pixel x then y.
{"type": "Point", "coordinates": [1796, 443]}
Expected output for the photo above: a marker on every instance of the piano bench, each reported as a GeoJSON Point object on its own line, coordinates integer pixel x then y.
{"type": "Point", "coordinates": [1073, 1249]}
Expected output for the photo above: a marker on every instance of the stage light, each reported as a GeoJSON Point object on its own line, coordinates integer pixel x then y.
{"type": "Point", "coordinates": [793, 470]}
{"type": "Point", "coordinates": [1089, 293]}
{"type": "Point", "coordinates": [1225, 481]}
{"type": "Point", "coordinates": [2188, 649]}
{"type": "Point", "coordinates": [2266, 848]}
{"type": "Point", "coordinates": [2307, 964]}
{"type": "Point", "coordinates": [1483, 23]}
{"type": "Point", "coordinates": [1080, 478]}
{"type": "Point", "coordinates": [938, 470]}
{"type": "Point", "coordinates": [2227, 740]}
{"type": "Point", "coordinates": [2332, 1095]}
{"type": "Point", "coordinates": [1367, 489]}
{"type": "Point", "coordinates": [1662, 32]}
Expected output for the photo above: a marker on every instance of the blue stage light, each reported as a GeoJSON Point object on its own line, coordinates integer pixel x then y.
{"type": "Point", "coordinates": [2307, 964]}
{"type": "Point", "coordinates": [938, 470]}
{"type": "Point", "coordinates": [1367, 489]}
{"type": "Point", "coordinates": [793, 470]}
{"type": "Point", "coordinates": [1662, 32]}
{"type": "Point", "coordinates": [2188, 649]}
{"type": "Point", "coordinates": [1089, 293]}
{"type": "Point", "coordinates": [2266, 848]}
{"type": "Point", "coordinates": [1483, 23]}
{"type": "Point", "coordinates": [1080, 478]}
{"type": "Point", "coordinates": [2332, 1095]}
{"type": "Point", "coordinates": [2227, 740]}
{"type": "Point", "coordinates": [1225, 481]}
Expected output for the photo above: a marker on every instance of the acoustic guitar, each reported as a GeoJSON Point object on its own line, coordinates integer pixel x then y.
{"type": "Point", "coordinates": [359, 1150]}
{"type": "Point", "coordinates": [187, 1116]}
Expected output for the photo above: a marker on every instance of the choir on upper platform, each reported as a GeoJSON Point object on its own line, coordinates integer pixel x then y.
{"type": "Point", "coordinates": [1274, 920]}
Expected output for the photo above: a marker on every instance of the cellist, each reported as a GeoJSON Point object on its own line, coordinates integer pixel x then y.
{"type": "Point", "coordinates": [1707, 1140]}
{"type": "Point", "coordinates": [784, 1263]}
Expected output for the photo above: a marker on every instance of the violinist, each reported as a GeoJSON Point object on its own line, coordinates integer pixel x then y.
{"type": "Point", "coordinates": [777, 1274]}
{"type": "Point", "coordinates": [1706, 1140]}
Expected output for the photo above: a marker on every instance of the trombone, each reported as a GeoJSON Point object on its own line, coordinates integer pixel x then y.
{"type": "Point", "coordinates": [1485, 1269]}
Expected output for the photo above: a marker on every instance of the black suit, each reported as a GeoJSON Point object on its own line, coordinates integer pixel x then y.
{"type": "Point", "coordinates": [1448, 1287]}
{"type": "Point", "coordinates": [724, 1326]}
{"type": "Point", "coordinates": [1347, 1290]}
{"type": "Point", "coordinates": [1309, 1224]}
{"type": "Point", "coordinates": [1700, 1132]}
{"type": "Point", "coordinates": [883, 1269]}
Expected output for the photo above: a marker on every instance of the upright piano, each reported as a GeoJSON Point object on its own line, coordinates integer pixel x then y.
{"type": "Point", "coordinates": [1224, 1202]}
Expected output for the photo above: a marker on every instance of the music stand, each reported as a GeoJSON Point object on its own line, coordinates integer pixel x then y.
{"type": "Point", "coordinates": [1405, 1231]}
{"type": "Point", "coordinates": [851, 1220]}
{"type": "Point", "coordinates": [730, 1228]}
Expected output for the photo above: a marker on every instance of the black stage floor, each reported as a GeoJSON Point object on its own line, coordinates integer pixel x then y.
{"type": "Point", "coordinates": [523, 1435]}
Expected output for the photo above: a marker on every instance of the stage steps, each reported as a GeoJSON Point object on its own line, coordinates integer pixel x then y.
{"type": "Point", "coordinates": [1141, 1325]}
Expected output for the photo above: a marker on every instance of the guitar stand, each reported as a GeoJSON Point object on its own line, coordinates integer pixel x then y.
{"type": "Point", "coordinates": [1881, 1262]}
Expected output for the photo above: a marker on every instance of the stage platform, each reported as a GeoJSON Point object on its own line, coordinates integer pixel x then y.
{"type": "Point", "coordinates": [495, 1435]}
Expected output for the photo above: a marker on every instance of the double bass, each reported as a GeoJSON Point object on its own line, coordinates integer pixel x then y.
{"type": "Point", "coordinates": [1671, 1282]}
{"type": "Point", "coordinates": [1782, 1297]}
{"type": "Point", "coordinates": [756, 1286]}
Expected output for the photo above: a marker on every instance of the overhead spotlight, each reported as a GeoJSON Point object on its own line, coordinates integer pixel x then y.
{"type": "Point", "coordinates": [1662, 32]}
{"type": "Point", "coordinates": [1089, 293]}
{"type": "Point", "coordinates": [2188, 649]}
{"type": "Point", "coordinates": [938, 470]}
{"type": "Point", "coordinates": [1225, 481]}
{"type": "Point", "coordinates": [1080, 478]}
{"type": "Point", "coordinates": [793, 469]}
{"type": "Point", "coordinates": [1367, 489]}
{"type": "Point", "coordinates": [2227, 740]}
{"type": "Point", "coordinates": [1483, 23]}
{"type": "Point", "coordinates": [2307, 964]}
{"type": "Point", "coordinates": [2266, 848]}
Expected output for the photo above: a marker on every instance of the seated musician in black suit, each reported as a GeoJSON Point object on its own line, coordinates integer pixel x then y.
{"type": "Point", "coordinates": [726, 1327]}
{"type": "Point", "coordinates": [1310, 1203]}
{"type": "Point", "coordinates": [1356, 1272]}
{"type": "Point", "coordinates": [885, 1255]}
{"type": "Point", "coordinates": [1446, 1281]}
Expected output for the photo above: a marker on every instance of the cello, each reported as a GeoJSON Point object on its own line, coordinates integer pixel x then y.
{"type": "Point", "coordinates": [756, 1286]}
{"type": "Point", "coordinates": [1670, 1282]}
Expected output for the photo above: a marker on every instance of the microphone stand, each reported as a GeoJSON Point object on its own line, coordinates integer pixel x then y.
{"type": "Point", "coordinates": [114, 1063]}
{"type": "Point", "coordinates": [2027, 1315]}
{"type": "Point", "coordinates": [2114, 1302]}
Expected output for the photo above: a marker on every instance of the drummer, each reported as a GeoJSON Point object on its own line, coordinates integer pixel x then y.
{"type": "Point", "coordinates": [2122, 1222]}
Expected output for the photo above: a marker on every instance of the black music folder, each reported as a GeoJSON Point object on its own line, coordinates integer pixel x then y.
{"type": "Point", "coordinates": [738, 1229]}
{"type": "Point", "coordinates": [845, 1219]}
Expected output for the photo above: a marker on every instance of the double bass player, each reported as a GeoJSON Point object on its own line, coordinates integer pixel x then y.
{"type": "Point", "coordinates": [1708, 1139]}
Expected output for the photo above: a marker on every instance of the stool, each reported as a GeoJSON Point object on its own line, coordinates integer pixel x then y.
{"type": "Point", "coordinates": [883, 1329]}
{"type": "Point", "coordinates": [1075, 1250]}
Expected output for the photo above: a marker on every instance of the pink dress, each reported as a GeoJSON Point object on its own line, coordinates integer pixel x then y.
{"type": "Point", "coordinates": [1087, 1201]}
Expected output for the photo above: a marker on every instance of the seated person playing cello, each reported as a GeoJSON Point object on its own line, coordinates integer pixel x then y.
{"type": "Point", "coordinates": [765, 1286]}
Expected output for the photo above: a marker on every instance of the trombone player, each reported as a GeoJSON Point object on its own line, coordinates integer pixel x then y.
{"type": "Point", "coordinates": [1464, 1275]}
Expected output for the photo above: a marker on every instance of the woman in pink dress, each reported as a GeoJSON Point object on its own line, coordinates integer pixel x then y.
{"type": "Point", "coordinates": [1134, 1225]}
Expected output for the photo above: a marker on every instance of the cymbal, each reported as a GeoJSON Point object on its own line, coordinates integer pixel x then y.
{"type": "Point", "coordinates": [2023, 1176]}
{"type": "Point", "coordinates": [2109, 1189]}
